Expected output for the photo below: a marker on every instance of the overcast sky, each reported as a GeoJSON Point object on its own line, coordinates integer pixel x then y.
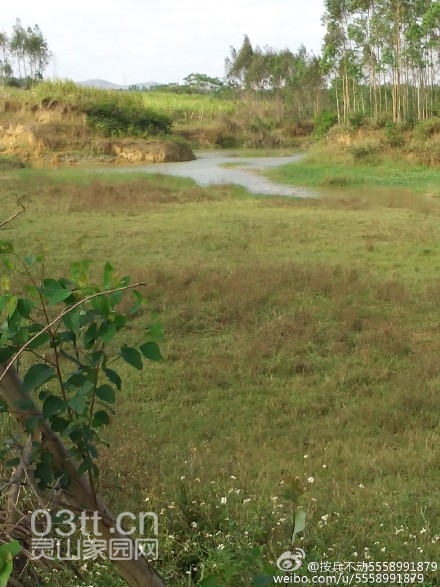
{"type": "Point", "coordinates": [160, 40]}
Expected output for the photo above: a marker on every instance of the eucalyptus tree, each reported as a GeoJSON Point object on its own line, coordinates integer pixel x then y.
{"type": "Point", "coordinates": [37, 51]}
{"type": "Point", "coordinates": [340, 58]}
{"type": "Point", "coordinates": [25, 49]}
{"type": "Point", "coordinates": [238, 64]}
{"type": "Point", "coordinates": [18, 47]}
{"type": "Point", "coordinates": [430, 26]}
{"type": "Point", "coordinates": [4, 63]}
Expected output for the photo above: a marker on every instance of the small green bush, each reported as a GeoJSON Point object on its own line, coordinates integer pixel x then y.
{"type": "Point", "coordinates": [117, 120]}
{"type": "Point", "coordinates": [323, 122]}
{"type": "Point", "coordinates": [426, 128]}
{"type": "Point", "coordinates": [356, 119]}
{"type": "Point", "coordinates": [366, 153]}
{"type": "Point", "coordinates": [393, 134]}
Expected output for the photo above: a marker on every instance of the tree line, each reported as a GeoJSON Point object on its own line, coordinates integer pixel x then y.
{"type": "Point", "coordinates": [383, 56]}
{"type": "Point", "coordinates": [24, 55]}
{"type": "Point", "coordinates": [380, 58]}
{"type": "Point", "coordinates": [292, 77]}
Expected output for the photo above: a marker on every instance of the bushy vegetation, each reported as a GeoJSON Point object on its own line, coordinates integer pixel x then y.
{"type": "Point", "coordinates": [323, 122]}
{"type": "Point", "coordinates": [393, 134]}
{"type": "Point", "coordinates": [424, 129]}
{"type": "Point", "coordinates": [114, 120]}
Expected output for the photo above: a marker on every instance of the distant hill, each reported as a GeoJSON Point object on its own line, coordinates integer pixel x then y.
{"type": "Point", "coordinates": [103, 84]}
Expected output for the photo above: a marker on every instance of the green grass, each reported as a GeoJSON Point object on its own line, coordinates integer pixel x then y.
{"type": "Point", "coordinates": [182, 107]}
{"type": "Point", "coordinates": [323, 170]}
{"type": "Point", "coordinates": [301, 341]}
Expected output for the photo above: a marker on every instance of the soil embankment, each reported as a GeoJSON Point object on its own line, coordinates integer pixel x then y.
{"type": "Point", "coordinates": [53, 132]}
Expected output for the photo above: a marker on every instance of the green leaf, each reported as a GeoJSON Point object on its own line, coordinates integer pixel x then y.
{"type": "Point", "coordinates": [83, 468]}
{"type": "Point", "coordinates": [79, 272]}
{"type": "Point", "coordinates": [120, 321]}
{"type": "Point", "coordinates": [106, 393]}
{"type": "Point", "coordinates": [36, 376]}
{"type": "Point", "coordinates": [53, 405]}
{"type": "Point", "coordinates": [72, 321]}
{"type": "Point", "coordinates": [151, 351]}
{"type": "Point", "coordinates": [12, 548]}
{"type": "Point", "coordinates": [6, 353]}
{"type": "Point", "coordinates": [132, 356]}
{"type": "Point", "coordinates": [30, 261]}
{"type": "Point", "coordinates": [101, 305]}
{"type": "Point", "coordinates": [78, 403]}
{"type": "Point", "coordinates": [39, 341]}
{"type": "Point", "coordinates": [11, 305]}
{"type": "Point", "coordinates": [139, 298]}
{"type": "Point", "coordinates": [6, 571]}
{"type": "Point", "coordinates": [106, 332]}
{"type": "Point", "coordinates": [101, 418]}
{"type": "Point", "coordinates": [25, 306]}
{"type": "Point", "coordinates": [114, 378]}
{"type": "Point", "coordinates": [43, 472]}
{"type": "Point", "coordinates": [90, 335]}
{"type": "Point", "coordinates": [300, 523]}
{"type": "Point", "coordinates": [108, 275]}
{"type": "Point", "coordinates": [55, 296]}
{"type": "Point", "coordinates": [78, 381]}
{"type": "Point", "coordinates": [58, 424]}
{"type": "Point", "coordinates": [6, 247]}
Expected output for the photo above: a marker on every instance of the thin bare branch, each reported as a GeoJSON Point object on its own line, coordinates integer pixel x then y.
{"type": "Point", "coordinates": [60, 316]}
{"type": "Point", "coordinates": [23, 209]}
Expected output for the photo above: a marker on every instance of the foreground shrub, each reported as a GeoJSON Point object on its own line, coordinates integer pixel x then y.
{"type": "Point", "coordinates": [114, 120]}
{"type": "Point", "coordinates": [323, 122]}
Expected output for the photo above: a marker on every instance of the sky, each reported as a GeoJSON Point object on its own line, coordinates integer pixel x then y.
{"type": "Point", "coordinates": [162, 41]}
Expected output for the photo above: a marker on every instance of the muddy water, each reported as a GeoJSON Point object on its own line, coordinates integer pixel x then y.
{"type": "Point", "coordinates": [208, 169]}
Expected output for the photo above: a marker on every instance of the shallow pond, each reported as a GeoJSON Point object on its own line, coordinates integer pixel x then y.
{"type": "Point", "coordinates": [226, 168]}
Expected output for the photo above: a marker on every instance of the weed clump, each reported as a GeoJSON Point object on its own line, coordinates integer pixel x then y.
{"type": "Point", "coordinates": [336, 181]}
{"type": "Point", "coordinates": [365, 153]}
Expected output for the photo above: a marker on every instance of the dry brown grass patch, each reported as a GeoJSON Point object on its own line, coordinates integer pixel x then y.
{"type": "Point", "coordinates": [131, 197]}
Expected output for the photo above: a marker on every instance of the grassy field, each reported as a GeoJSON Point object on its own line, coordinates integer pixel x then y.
{"type": "Point", "coordinates": [337, 168]}
{"type": "Point", "coordinates": [301, 360]}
